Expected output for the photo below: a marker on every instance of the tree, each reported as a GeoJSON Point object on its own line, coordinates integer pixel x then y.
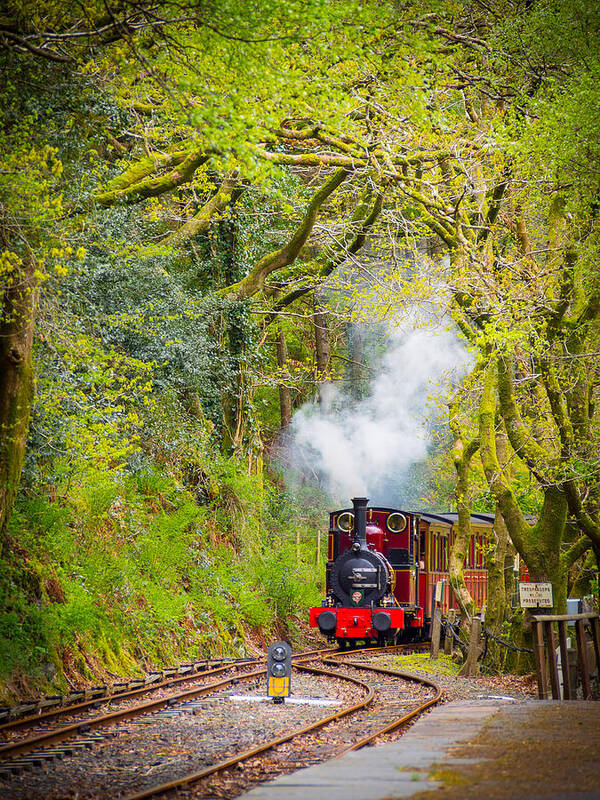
{"type": "Point", "coordinates": [125, 47]}
{"type": "Point", "coordinates": [29, 211]}
{"type": "Point", "coordinates": [446, 118]}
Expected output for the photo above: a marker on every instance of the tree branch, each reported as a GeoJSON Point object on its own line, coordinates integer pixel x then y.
{"type": "Point", "coordinates": [133, 185]}
{"type": "Point", "coordinates": [348, 247]}
{"type": "Point", "coordinates": [513, 516]}
{"type": "Point", "coordinates": [255, 279]}
{"type": "Point", "coordinates": [227, 193]}
{"type": "Point", "coordinates": [520, 437]}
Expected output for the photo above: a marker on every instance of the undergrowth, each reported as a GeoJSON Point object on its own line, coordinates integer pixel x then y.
{"type": "Point", "coordinates": [116, 571]}
{"type": "Point", "coordinates": [421, 662]}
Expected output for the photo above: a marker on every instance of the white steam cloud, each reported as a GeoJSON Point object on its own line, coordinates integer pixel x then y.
{"type": "Point", "coordinates": [368, 447]}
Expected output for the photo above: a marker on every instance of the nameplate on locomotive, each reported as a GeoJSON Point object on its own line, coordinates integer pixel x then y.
{"type": "Point", "coordinates": [360, 575]}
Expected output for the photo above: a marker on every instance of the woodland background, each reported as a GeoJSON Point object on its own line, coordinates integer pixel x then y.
{"type": "Point", "coordinates": [201, 204]}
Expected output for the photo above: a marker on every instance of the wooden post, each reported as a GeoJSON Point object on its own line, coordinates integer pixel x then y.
{"type": "Point", "coordinates": [469, 668]}
{"type": "Point", "coordinates": [583, 662]}
{"type": "Point", "coordinates": [318, 546]}
{"type": "Point", "coordinates": [564, 659]}
{"type": "Point", "coordinates": [596, 640]}
{"type": "Point", "coordinates": [543, 625]}
{"type": "Point", "coordinates": [552, 665]}
{"type": "Point", "coordinates": [540, 660]}
{"type": "Point", "coordinates": [436, 630]}
{"type": "Point", "coordinates": [448, 641]}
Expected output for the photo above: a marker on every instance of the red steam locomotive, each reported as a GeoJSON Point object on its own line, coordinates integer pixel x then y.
{"type": "Point", "coordinates": [385, 568]}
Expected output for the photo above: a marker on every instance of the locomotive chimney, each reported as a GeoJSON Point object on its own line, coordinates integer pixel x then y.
{"type": "Point", "coordinates": [360, 520]}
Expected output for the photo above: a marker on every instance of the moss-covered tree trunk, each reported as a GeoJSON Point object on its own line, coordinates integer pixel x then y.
{"type": "Point", "coordinates": [496, 602]}
{"type": "Point", "coordinates": [321, 347]}
{"type": "Point", "coordinates": [236, 329]}
{"type": "Point", "coordinates": [19, 298]}
{"type": "Point", "coordinates": [461, 456]}
{"type": "Point", "coordinates": [285, 396]}
{"type": "Point", "coordinates": [538, 544]}
{"type": "Point", "coordinates": [497, 564]}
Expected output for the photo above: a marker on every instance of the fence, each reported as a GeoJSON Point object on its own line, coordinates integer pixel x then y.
{"type": "Point", "coordinates": [547, 652]}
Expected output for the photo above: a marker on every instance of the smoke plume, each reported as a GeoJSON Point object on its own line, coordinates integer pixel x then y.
{"type": "Point", "coordinates": [368, 447]}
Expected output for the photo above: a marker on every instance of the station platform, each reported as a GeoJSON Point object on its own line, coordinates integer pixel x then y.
{"type": "Point", "coordinates": [466, 750]}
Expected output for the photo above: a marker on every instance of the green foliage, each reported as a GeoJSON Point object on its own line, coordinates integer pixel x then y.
{"type": "Point", "coordinates": [146, 525]}
{"type": "Point", "coordinates": [127, 568]}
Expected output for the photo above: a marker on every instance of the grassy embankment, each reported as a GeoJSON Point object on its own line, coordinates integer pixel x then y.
{"type": "Point", "coordinates": [108, 573]}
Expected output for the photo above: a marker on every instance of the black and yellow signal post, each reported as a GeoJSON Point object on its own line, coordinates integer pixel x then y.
{"type": "Point", "coordinates": [279, 671]}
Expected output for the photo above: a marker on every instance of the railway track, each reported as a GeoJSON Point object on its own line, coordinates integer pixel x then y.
{"type": "Point", "coordinates": [379, 715]}
{"type": "Point", "coordinates": [31, 715]}
{"type": "Point", "coordinates": [98, 696]}
{"type": "Point", "coordinates": [378, 706]}
{"type": "Point", "coordinates": [43, 731]}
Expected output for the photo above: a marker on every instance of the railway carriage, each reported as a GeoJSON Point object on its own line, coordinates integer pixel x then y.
{"type": "Point", "coordinates": [437, 533]}
{"type": "Point", "coordinates": [384, 566]}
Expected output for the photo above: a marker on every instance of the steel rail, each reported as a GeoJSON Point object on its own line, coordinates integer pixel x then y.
{"type": "Point", "coordinates": [409, 676]}
{"type": "Point", "coordinates": [341, 654]}
{"type": "Point", "coordinates": [34, 709]}
{"type": "Point", "coordinates": [194, 777]}
{"type": "Point", "coordinates": [166, 683]}
{"type": "Point", "coordinates": [172, 786]}
{"type": "Point", "coordinates": [46, 738]}
{"type": "Point", "coordinates": [52, 737]}
{"type": "Point", "coordinates": [26, 722]}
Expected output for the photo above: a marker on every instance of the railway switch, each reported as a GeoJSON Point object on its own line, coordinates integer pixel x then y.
{"type": "Point", "coordinates": [279, 671]}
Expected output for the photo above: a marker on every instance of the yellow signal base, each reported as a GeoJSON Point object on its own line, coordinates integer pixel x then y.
{"type": "Point", "coordinates": [278, 687]}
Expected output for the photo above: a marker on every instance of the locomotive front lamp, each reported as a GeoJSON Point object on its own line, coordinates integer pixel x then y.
{"type": "Point", "coordinates": [279, 671]}
{"type": "Point", "coordinates": [345, 522]}
{"type": "Point", "coordinates": [396, 522]}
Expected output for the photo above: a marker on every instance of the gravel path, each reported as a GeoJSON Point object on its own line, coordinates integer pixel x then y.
{"type": "Point", "coordinates": [520, 687]}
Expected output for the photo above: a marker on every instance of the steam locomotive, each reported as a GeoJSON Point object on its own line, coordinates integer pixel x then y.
{"type": "Point", "coordinates": [387, 567]}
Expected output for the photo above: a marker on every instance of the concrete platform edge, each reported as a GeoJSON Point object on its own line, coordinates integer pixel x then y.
{"type": "Point", "coordinates": [395, 770]}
